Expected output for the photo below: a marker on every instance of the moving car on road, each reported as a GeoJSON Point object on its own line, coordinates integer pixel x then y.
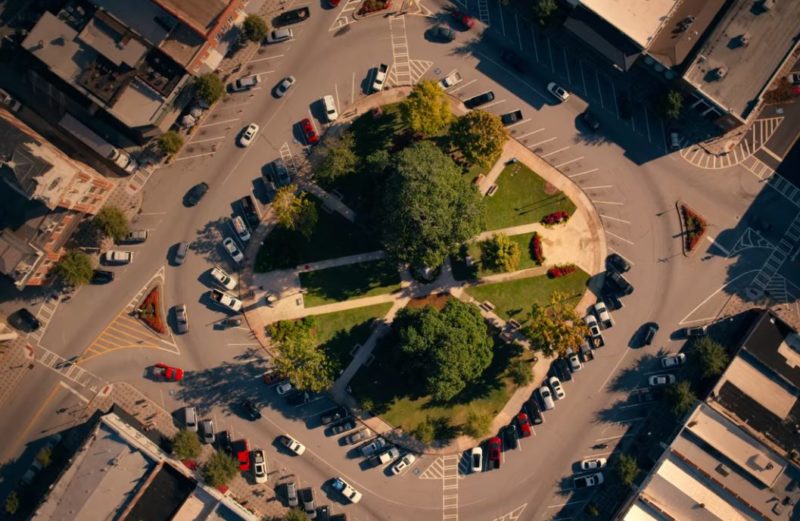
{"type": "Point", "coordinates": [405, 462]}
{"type": "Point", "coordinates": [230, 302]}
{"type": "Point", "coordinates": [196, 193]}
{"type": "Point", "coordinates": [589, 480]}
{"type": "Point", "coordinates": [558, 91]}
{"type": "Point", "coordinates": [167, 372]}
{"type": "Point", "coordinates": [293, 445]}
{"type": "Point", "coordinates": [250, 410]}
{"type": "Point", "coordinates": [248, 135]}
{"type": "Point", "coordinates": [673, 361]}
{"type": "Point", "coordinates": [283, 87]}
{"type": "Point", "coordinates": [658, 380]}
{"type": "Point", "coordinates": [476, 459]}
{"type": "Point", "coordinates": [259, 466]}
{"type": "Point", "coordinates": [233, 250]}
{"type": "Point", "coordinates": [480, 99]}
{"type": "Point", "coordinates": [223, 279]}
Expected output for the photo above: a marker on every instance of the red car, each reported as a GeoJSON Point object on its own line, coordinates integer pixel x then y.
{"type": "Point", "coordinates": [309, 132]}
{"type": "Point", "coordinates": [495, 447]}
{"type": "Point", "coordinates": [333, 3]}
{"type": "Point", "coordinates": [524, 424]}
{"type": "Point", "coordinates": [242, 450]}
{"type": "Point", "coordinates": [465, 20]}
{"type": "Point", "coordinates": [168, 372]}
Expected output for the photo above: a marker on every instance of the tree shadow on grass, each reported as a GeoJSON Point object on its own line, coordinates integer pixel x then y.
{"type": "Point", "coordinates": [343, 341]}
{"type": "Point", "coordinates": [345, 282]}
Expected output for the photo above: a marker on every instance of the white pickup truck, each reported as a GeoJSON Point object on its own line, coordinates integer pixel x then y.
{"type": "Point", "coordinates": [380, 77]}
{"type": "Point", "coordinates": [226, 300]}
{"type": "Point", "coordinates": [451, 80]}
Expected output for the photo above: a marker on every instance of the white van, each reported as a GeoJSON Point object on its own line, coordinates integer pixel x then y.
{"type": "Point", "coordinates": [330, 108]}
{"type": "Point", "coordinates": [241, 229]}
{"type": "Point", "coordinates": [190, 418]}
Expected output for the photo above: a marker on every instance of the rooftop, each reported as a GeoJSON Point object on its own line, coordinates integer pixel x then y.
{"type": "Point", "coordinates": [201, 15]}
{"type": "Point", "coordinates": [683, 30]}
{"type": "Point", "coordinates": [603, 37]}
{"type": "Point", "coordinates": [734, 72]}
{"type": "Point", "coordinates": [640, 20]}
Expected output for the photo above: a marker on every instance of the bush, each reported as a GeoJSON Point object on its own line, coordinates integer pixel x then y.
{"type": "Point", "coordinates": [562, 270]}
{"type": "Point", "coordinates": [45, 456]}
{"type": "Point", "coordinates": [209, 88]}
{"type": "Point", "coordinates": [671, 104]}
{"type": "Point", "coordinates": [220, 469]}
{"type": "Point", "coordinates": [170, 142]}
{"type": "Point", "coordinates": [371, 6]}
{"type": "Point", "coordinates": [627, 469]}
{"type": "Point", "coordinates": [75, 268]}
{"type": "Point", "coordinates": [592, 510]}
{"type": "Point", "coordinates": [477, 424]}
{"type": "Point", "coordinates": [555, 218]}
{"type": "Point", "coordinates": [536, 249]}
{"type": "Point", "coordinates": [254, 28]}
{"type": "Point", "coordinates": [12, 503]}
{"type": "Point", "coordinates": [295, 514]}
{"type": "Point", "coordinates": [111, 222]}
{"type": "Point", "coordinates": [500, 253]}
{"type": "Point", "coordinates": [520, 372]}
{"type": "Point", "coordinates": [680, 397]}
{"type": "Point", "coordinates": [711, 356]}
{"type": "Point", "coordinates": [425, 432]}
{"type": "Point", "coordinates": [186, 445]}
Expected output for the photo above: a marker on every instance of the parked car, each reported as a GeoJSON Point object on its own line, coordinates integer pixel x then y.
{"type": "Point", "coordinates": [511, 117]}
{"type": "Point", "coordinates": [673, 361]}
{"type": "Point", "coordinates": [589, 480]}
{"type": "Point", "coordinates": [590, 120]}
{"type": "Point", "coordinates": [586, 351]}
{"type": "Point", "coordinates": [495, 446]}
{"type": "Point", "coordinates": [233, 250]}
{"type": "Point", "coordinates": [292, 16]}
{"type": "Point", "coordinates": [167, 372]}
{"type": "Point", "coordinates": [298, 398]}
{"type": "Point", "coordinates": [117, 257]}
{"type": "Point", "coordinates": [380, 77]}
{"type": "Point", "coordinates": [602, 313]}
{"type": "Point", "coordinates": [190, 418]}
{"type": "Point", "coordinates": [333, 415]}
{"type": "Point", "coordinates": [388, 455]}
{"type": "Point", "coordinates": [346, 489]}
{"type": "Point", "coordinates": [278, 173]}
{"type": "Point", "coordinates": [330, 108]}
{"type": "Point", "coordinates": [307, 499]}
{"type": "Point", "coordinates": [259, 466]}
{"type": "Point", "coordinates": [513, 59]}
{"type": "Point", "coordinates": [343, 426]}
{"type": "Point", "coordinates": [309, 132]}
{"type": "Point", "coordinates": [241, 451]}
{"type": "Point", "coordinates": [225, 300]}
{"type": "Point", "coordinates": [561, 367]}
{"type": "Point", "coordinates": [575, 364]}
{"type": "Point", "coordinates": [674, 140]}
{"type": "Point", "coordinates": [24, 320]}
{"type": "Point", "coordinates": [658, 380]}
{"type": "Point", "coordinates": [283, 87]}
{"type": "Point", "coordinates": [241, 229]}
{"type": "Point", "coordinates": [591, 323]}
{"type": "Point", "coordinates": [291, 494]}
{"type": "Point", "coordinates": [223, 279]}
{"type": "Point", "coordinates": [102, 276]}
{"type": "Point", "coordinates": [558, 390]}
{"type": "Point", "coordinates": [372, 447]}
{"type": "Point", "coordinates": [612, 301]}
{"type": "Point", "coordinates": [245, 83]}
{"type": "Point", "coordinates": [181, 250]}
{"type": "Point", "coordinates": [593, 463]}
{"type": "Point", "coordinates": [619, 283]}
{"type": "Point", "coordinates": [793, 78]}
{"type": "Point", "coordinates": [464, 20]}
{"type": "Point", "coordinates": [649, 333]}
{"type": "Point", "coordinates": [476, 458]}
{"type": "Point", "coordinates": [280, 35]}
{"type": "Point", "coordinates": [196, 193]}
{"type": "Point", "coordinates": [451, 80]}
{"type": "Point", "coordinates": [283, 387]}
{"type": "Point", "coordinates": [547, 397]}
{"type": "Point", "coordinates": [559, 92]}
{"type": "Point", "coordinates": [695, 331]}
{"type": "Point", "coordinates": [181, 319]}
{"type": "Point", "coordinates": [250, 210]}
{"type": "Point", "coordinates": [534, 411]}
{"type": "Point", "coordinates": [443, 34]}
{"type": "Point", "coordinates": [207, 431]}
{"type": "Point", "coordinates": [359, 435]}
{"type": "Point", "coordinates": [524, 425]}
{"type": "Point", "coordinates": [224, 442]}
{"type": "Point", "coordinates": [480, 99]}
{"type": "Point", "coordinates": [134, 237]}
{"type": "Point", "coordinates": [293, 445]}
{"type": "Point", "coordinates": [250, 410]}
{"type": "Point", "coordinates": [248, 135]}
{"type": "Point", "coordinates": [510, 436]}
{"type": "Point", "coordinates": [404, 463]}
{"type": "Point", "coordinates": [616, 262]}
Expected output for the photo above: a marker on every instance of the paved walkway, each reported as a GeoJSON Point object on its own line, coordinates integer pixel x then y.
{"type": "Point", "coordinates": [329, 200]}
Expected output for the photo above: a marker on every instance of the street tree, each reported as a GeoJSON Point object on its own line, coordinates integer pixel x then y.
{"type": "Point", "coordinates": [555, 327]}
{"type": "Point", "coordinates": [295, 211]}
{"type": "Point", "coordinates": [444, 350]}
{"type": "Point", "coordinates": [337, 158]}
{"type": "Point", "coordinates": [111, 222]}
{"type": "Point", "coordinates": [680, 397]}
{"type": "Point", "coordinates": [711, 357]}
{"type": "Point", "coordinates": [220, 469]}
{"type": "Point", "coordinates": [209, 87]}
{"type": "Point", "coordinates": [428, 210]}
{"type": "Point", "coordinates": [627, 469]}
{"type": "Point", "coordinates": [426, 110]}
{"type": "Point", "coordinates": [170, 142]}
{"type": "Point", "coordinates": [479, 136]}
{"type": "Point", "coordinates": [671, 104]}
{"type": "Point", "coordinates": [544, 9]}
{"type": "Point", "coordinates": [500, 253]}
{"type": "Point", "coordinates": [254, 28]}
{"type": "Point", "coordinates": [299, 359]}
{"type": "Point", "coordinates": [295, 514]}
{"type": "Point", "coordinates": [74, 268]}
{"type": "Point", "coordinates": [186, 444]}
{"type": "Point", "coordinates": [477, 424]}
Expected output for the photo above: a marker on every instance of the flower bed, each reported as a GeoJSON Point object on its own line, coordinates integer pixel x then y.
{"type": "Point", "coordinates": [555, 218]}
{"type": "Point", "coordinates": [694, 225]}
{"type": "Point", "coordinates": [536, 249]}
{"type": "Point", "coordinates": [562, 270]}
{"type": "Point", "coordinates": [149, 311]}
{"type": "Point", "coordinates": [373, 6]}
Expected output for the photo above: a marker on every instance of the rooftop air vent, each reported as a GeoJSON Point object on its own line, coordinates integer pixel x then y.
{"type": "Point", "coordinates": [721, 72]}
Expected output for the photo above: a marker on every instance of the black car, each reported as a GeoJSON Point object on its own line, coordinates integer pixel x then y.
{"type": "Point", "coordinates": [292, 17]}
{"type": "Point", "coordinates": [343, 426]}
{"type": "Point", "coordinates": [24, 320]}
{"type": "Point", "coordinates": [298, 398]}
{"type": "Point", "coordinates": [695, 331]}
{"type": "Point", "coordinates": [625, 107]}
{"type": "Point", "coordinates": [511, 118]}
{"type": "Point", "coordinates": [616, 282]}
{"type": "Point", "coordinates": [612, 301]}
{"type": "Point", "coordinates": [562, 369]}
{"type": "Point", "coordinates": [333, 415]}
{"type": "Point", "coordinates": [513, 59]}
{"type": "Point", "coordinates": [251, 410]}
{"type": "Point", "coordinates": [534, 411]}
{"type": "Point", "coordinates": [224, 442]}
{"type": "Point", "coordinates": [510, 436]}
{"type": "Point", "coordinates": [102, 276]}
{"type": "Point", "coordinates": [443, 34]}
{"type": "Point", "coordinates": [480, 99]}
{"type": "Point", "coordinates": [649, 332]}
{"type": "Point", "coordinates": [279, 173]}
{"type": "Point", "coordinates": [590, 120]}
{"type": "Point", "coordinates": [250, 211]}
{"type": "Point", "coordinates": [618, 263]}
{"type": "Point", "coordinates": [196, 193]}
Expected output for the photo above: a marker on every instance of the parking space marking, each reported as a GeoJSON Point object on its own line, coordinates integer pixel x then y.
{"type": "Point", "coordinates": [519, 34]}
{"type": "Point", "coordinates": [513, 515]}
{"type": "Point", "coordinates": [583, 78]}
{"type": "Point", "coordinates": [593, 170]}
{"type": "Point", "coordinates": [555, 152]}
{"type": "Point", "coordinates": [266, 58]}
{"type": "Point", "coordinates": [483, 12]}
{"type": "Point", "coordinates": [535, 48]}
{"type": "Point", "coordinates": [621, 255]}
{"type": "Point", "coordinates": [219, 122]}
{"type": "Point", "coordinates": [566, 65]}
{"type": "Point", "coordinates": [518, 123]}
{"type": "Point", "coordinates": [530, 133]}
{"type": "Point", "coordinates": [620, 238]}
{"type": "Point", "coordinates": [502, 20]}
{"type": "Point", "coordinates": [608, 202]}
{"type": "Point", "coordinates": [614, 218]}
{"type": "Point", "coordinates": [344, 18]}
{"type": "Point", "coordinates": [462, 86]}
{"type": "Point", "coordinates": [194, 156]}
{"type": "Point", "coordinates": [568, 162]}
{"type": "Point", "coordinates": [599, 187]}
{"type": "Point", "coordinates": [542, 142]}
{"type": "Point", "coordinates": [550, 53]}
{"type": "Point", "coordinates": [599, 90]}
{"type": "Point", "coordinates": [208, 139]}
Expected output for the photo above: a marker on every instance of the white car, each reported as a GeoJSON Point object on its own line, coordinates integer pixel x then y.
{"type": "Point", "coordinates": [558, 91]}
{"type": "Point", "coordinates": [284, 387]}
{"type": "Point", "coordinates": [590, 480]}
{"type": "Point", "coordinates": [259, 466]}
{"type": "Point", "coordinates": [574, 362]}
{"type": "Point", "coordinates": [558, 390]}
{"type": "Point", "coordinates": [476, 458]}
{"type": "Point", "coordinates": [657, 380]}
{"type": "Point", "coordinates": [280, 35]}
{"type": "Point", "coordinates": [118, 257]}
{"type": "Point", "coordinates": [248, 135]}
{"type": "Point", "coordinates": [245, 83]}
{"type": "Point", "coordinates": [403, 464]}
{"type": "Point", "coordinates": [591, 323]}
{"type": "Point", "coordinates": [293, 445]}
{"type": "Point", "coordinates": [284, 86]}
{"type": "Point", "coordinates": [593, 463]}
{"type": "Point", "coordinates": [602, 313]}
{"type": "Point", "coordinates": [241, 229]}
{"type": "Point", "coordinates": [673, 361]}
{"type": "Point", "coordinates": [233, 250]}
{"type": "Point", "coordinates": [451, 80]}
{"type": "Point", "coordinates": [547, 397]}
{"type": "Point", "coordinates": [347, 490]}
{"type": "Point", "coordinates": [330, 108]}
{"type": "Point", "coordinates": [222, 278]}
{"type": "Point", "coordinates": [389, 455]}
{"type": "Point", "coordinates": [223, 299]}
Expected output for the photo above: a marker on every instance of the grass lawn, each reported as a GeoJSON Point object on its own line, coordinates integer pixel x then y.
{"type": "Point", "coordinates": [521, 199]}
{"type": "Point", "coordinates": [351, 281]}
{"type": "Point", "coordinates": [404, 407]}
{"type": "Point", "coordinates": [514, 298]}
{"type": "Point", "coordinates": [339, 332]}
{"type": "Point", "coordinates": [334, 236]}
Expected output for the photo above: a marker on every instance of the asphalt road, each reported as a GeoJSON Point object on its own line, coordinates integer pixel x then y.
{"type": "Point", "coordinates": [635, 197]}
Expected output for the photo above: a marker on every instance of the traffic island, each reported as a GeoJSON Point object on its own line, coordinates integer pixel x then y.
{"type": "Point", "coordinates": [693, 227]}
{"type": "Point", "coordinates": [151, 311]}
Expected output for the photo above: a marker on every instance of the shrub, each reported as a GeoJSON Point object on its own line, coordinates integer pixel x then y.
{"type": "Point", "coordinates": [75, 268]}
{"type": "Point", "coordinates": [562, 270]}
{"type": "Point", "coordinates": [371, 6]}
{"type": "Point", "coordinates": [186, 445]}
{"type": "Point", "coordinates": [627, 469]}
{"type": "Point", "coordinates": [45, 456]}
{"type": "Point", "coordinates": [477, 424]}
{"type": "Point", "coordinates": [220, 469]}
{"type": "Point", "coordinates": [254, 28]}
{"type": "Point", "coordinates": [500, 253]}
{"type": "Point", "coordinates": [170, 142]}
{"type": "Point", "coordinates": [12, 503]}
{"type": "Point", "coordinates": [555, 218]}
{"type": "Point", "coordinates": [209, 88]}
{"type": "Point", "coordinates": [149, 311]}
{"type": "Point", "coordinates": [536, 249]}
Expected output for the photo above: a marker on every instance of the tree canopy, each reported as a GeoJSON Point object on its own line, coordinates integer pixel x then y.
{"type": "Point", "coordinates": [426, 110]}
{"type": "Point", "coordinates": [479, 136]}
{"type": "Point", "coordinates": [555, 327]}
{"type": "Point", "coordinates": [500, 253]}
{"type": "Point", "coordinates": [428, 209]}
{"type": "Point", "coordinates": [627, 469]}
{"type": "Point", "coordinates": [170, 142]}
{"type": "Point", "coordinates": [254, 28]}
{"type": "Point", "coordinates": [671, 104]}
{"type": "Point", "coordinates": [445, 349]}
{"type": "Point", "coordinates": [295, 514]}
{"type": "Point", "coordinates": [209, 87]}
{"type": "Point", "coordinates": [186, 444]}
{"type": "Point", "coordinates": [299, 358]}
{"type": "Point", "coordinates": [711, 356]}
{"type": "Point", "coordinates": [220, 469]}
{"type": "Point", "coordinates": [295, 212]}
{"type": "Point", "coordinates": [75, 268]}
{"type": "Point", "coordinates": [112, 222]}
{"type": "Point", "coordinates": [338, 158]}
{"type": "Point", "coordinates": [680, 397]}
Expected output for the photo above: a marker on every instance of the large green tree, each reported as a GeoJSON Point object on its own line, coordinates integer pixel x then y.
{"type": "Point", "coordinates": [480, 137]}
{"type": "Point", "coordinates": [680, 397]}
{"type": "Point", "coordinates": [337, 158]}
{"type": "Point", "coordinates": [186, 444]}
{"type": "Point", "coordinates": [209, 87]}
{"type": "Point", "coordinates": [444, 349]}
{"type": "Point", "coordinates": [428, 209]}
{"type": "Point", "coordinates": [555, 327]}
{"type": "Point", "coordinates": [500, 253]}
{"type": "Point", "coordinates": [295, 212]}
{"type": "Point", "coordinates": [299, 357]}
{"type": "Point", "coordinates": [254, 28]}
{"type": "Point", "coordinates": [711, 357]}
{"type": "Point", "coordinates": [220, 469]}
{"type": "Point", "coordinates": [112, 222]}
{"type": "Point", "coordinates": [426, 110]}
{"type": "Point", "coordinates": [75, 268]}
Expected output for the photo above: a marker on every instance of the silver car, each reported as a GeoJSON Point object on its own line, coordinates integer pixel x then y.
{"type": "Point", "coordinates": [284, 86]}
{"type": "Point", "coordinates": [207, 431]}
{"type": "Point", "coordinates": [181, 319]}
